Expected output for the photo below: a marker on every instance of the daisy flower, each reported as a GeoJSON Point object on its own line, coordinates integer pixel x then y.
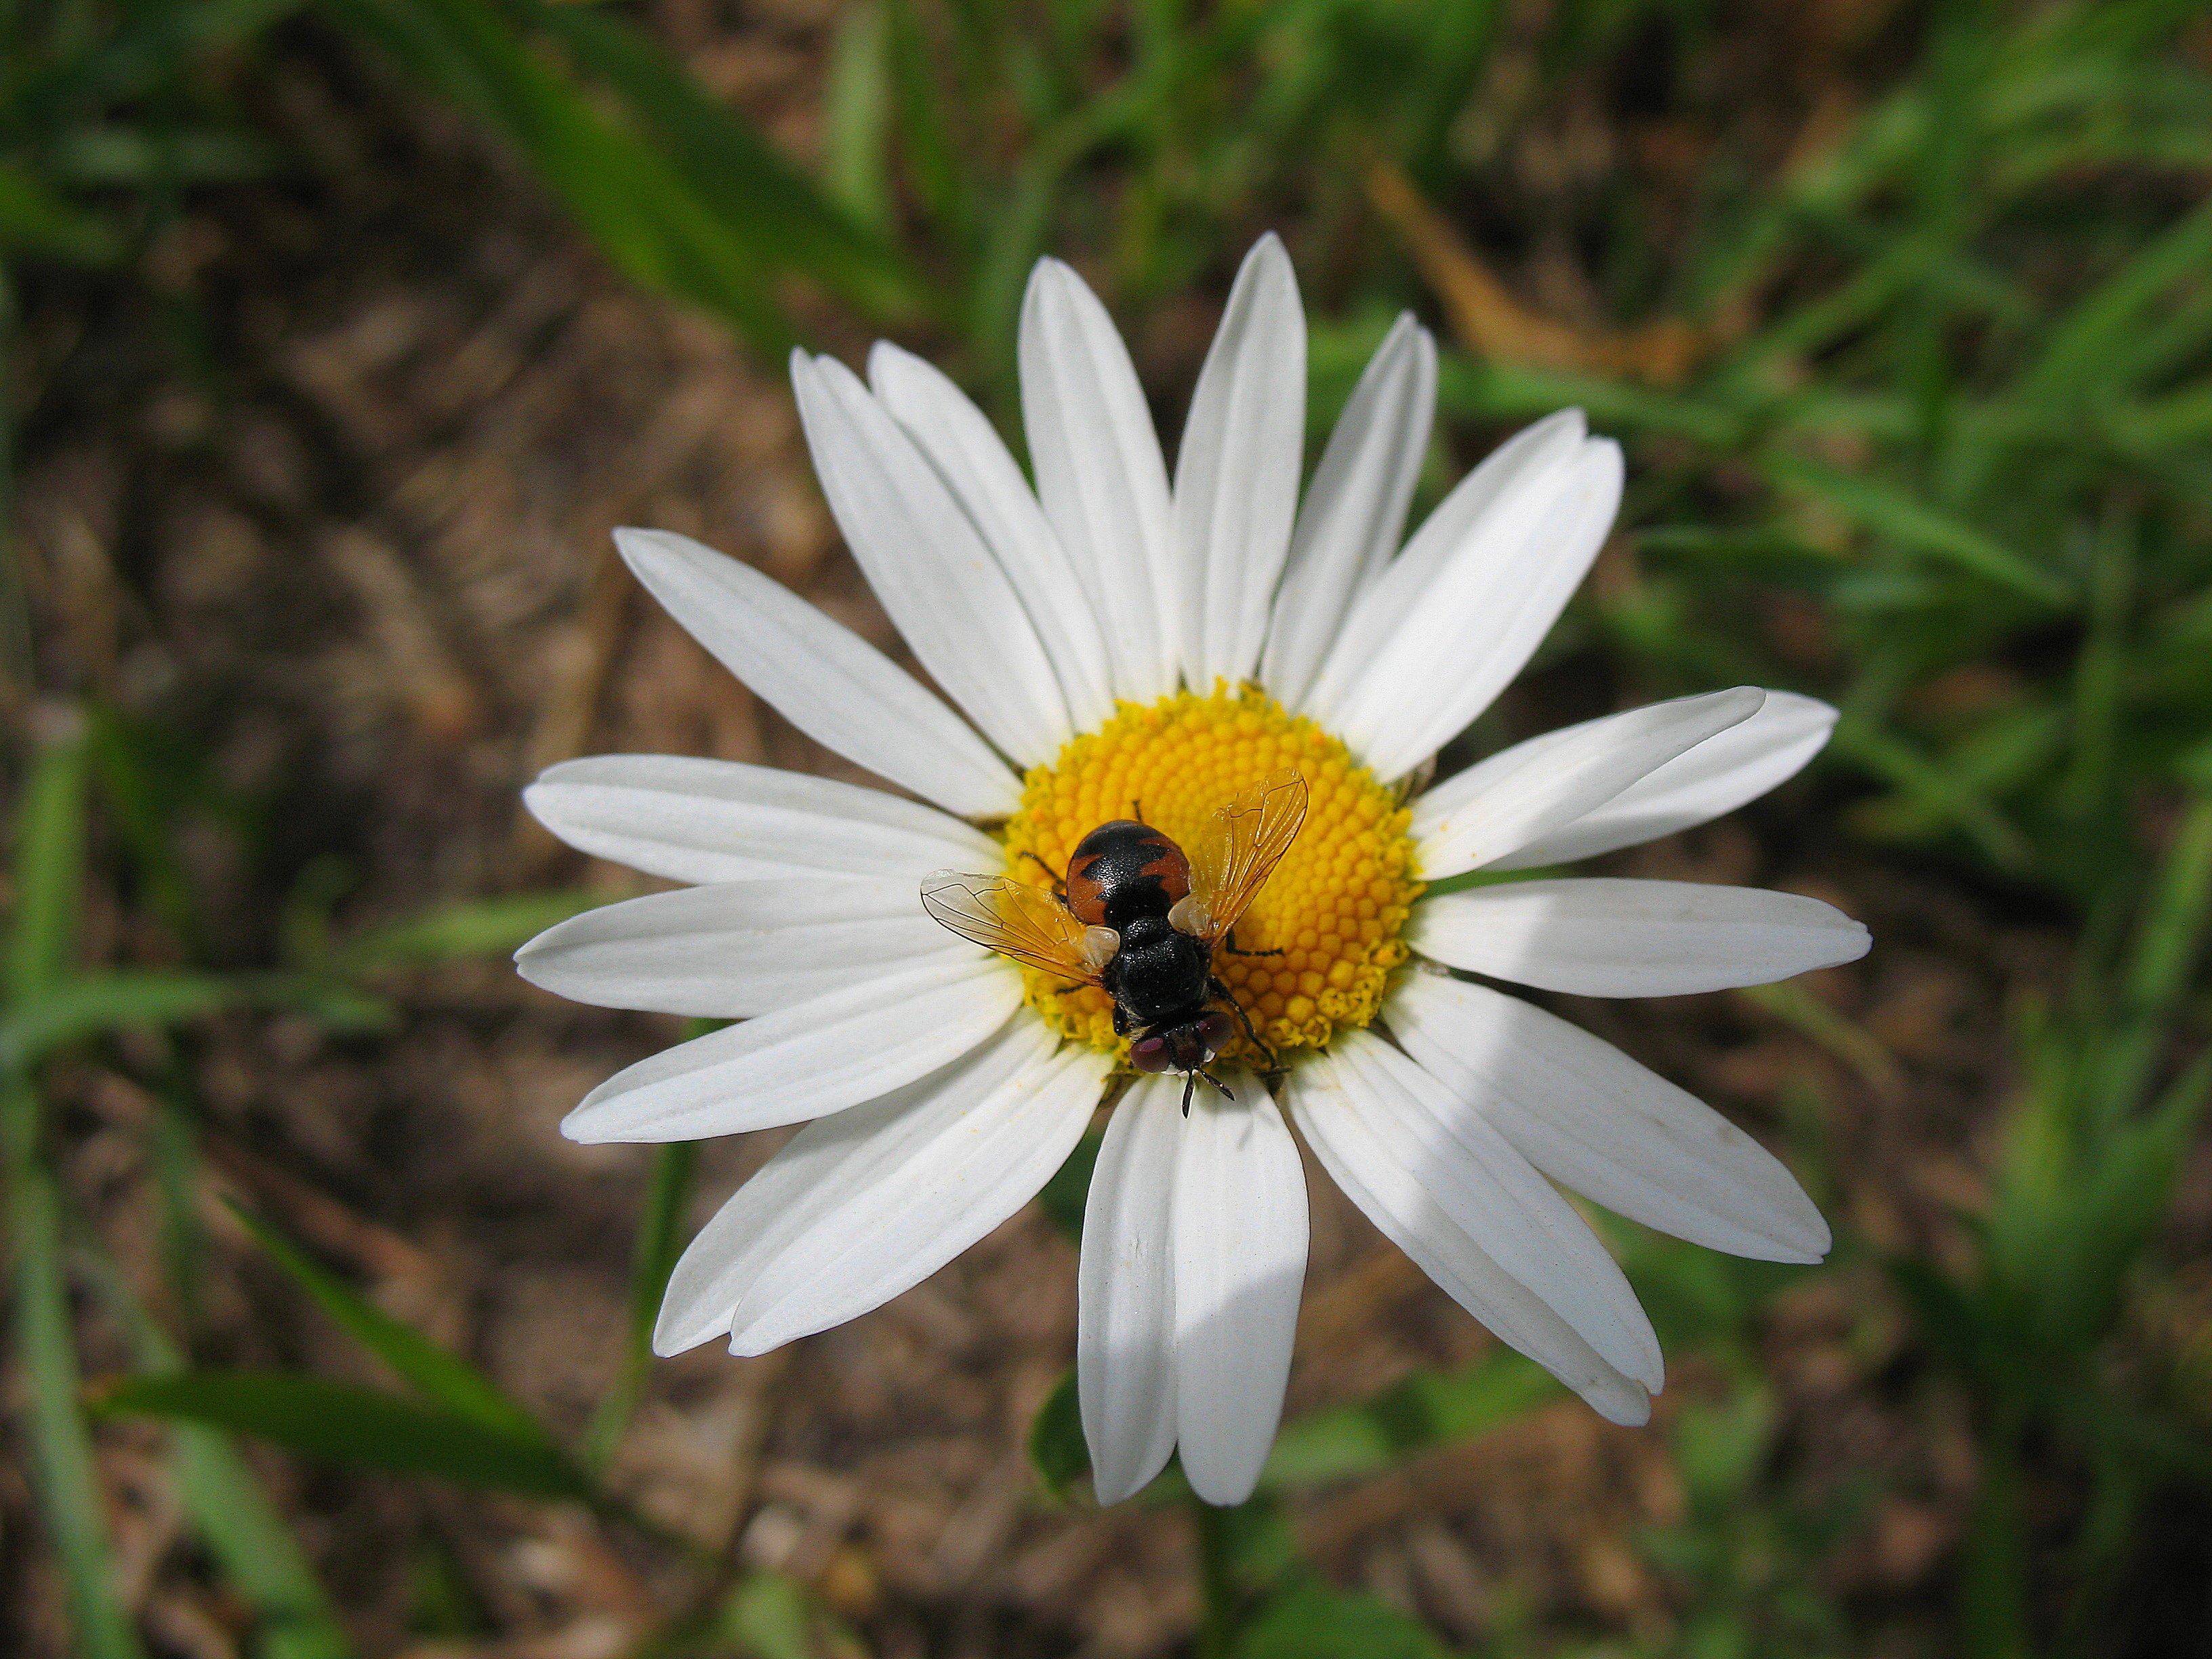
{"type": "Point", "coordinates": [1114, 643]}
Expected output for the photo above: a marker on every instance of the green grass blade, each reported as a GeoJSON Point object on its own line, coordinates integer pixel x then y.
{"type": "Point", "coordinates": [856, 115]}
{"type": "Point", "coordinates": [345, 1423]}
{"type": "Point", "coordinates": [2113, 1211]}
{"type": "Point", "coordinates": [2174, 917]}
{"type": "Point", "coordinates": [292, 1615]}
{"type": "Point", "coordinates": [780, 217]}
{"type": "Point", "coordinates": [49, 868]}
{"type": "Point", "coordinates": [1940, 794]}
{"type": "Point", "coordinates": [1903, 264]}
{"type": "Point", "coordinates": [48, 877]}
{"type": "Point", "coordinates": [2006, 753]}
{"type": "Point", "coordinates": [447, 932]}
{"type": "Point", "coordinates": [659, 1242]}
{"type": "Point", "coordinates": [2100, 672]}
{"type": "Point", "coordinates": [432, 1372]}
{"type": "Point", "coordinates": [63, 1472]}
{"type": "Point", "coordinates": [294, 1618]}
{"type": "Point", "coordinates": [79, 1008]}
{"type": "Point", "coordinates": [1507, 392]}
{"type": "Point", "coordinates": [647, 218]}
{"type": "Point", "coordinates": [1911, 522]}
{"type": "Point", "coordinates": [1993, 1570]}
{"type": "Point", "coordinates": [935, 167]}
{"type": "Point", "coordinates": [1015, 235]}
{"type": "Point", "coordinates": [18, 654]}
{"type": "Point", "coordinates": [2160, 968]}
{"type": "Point", "coordinates": [660, 1236]}
{"type": "Point", "coordinates": [2082, 352]}
{"type": "Point", "coordinates": [242, 1529]}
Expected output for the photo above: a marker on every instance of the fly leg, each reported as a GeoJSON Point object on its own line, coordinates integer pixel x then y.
{"type": "Point", "coordinates": [1229, 946]}
{"type": "Point", "coordinates": [1190, 1082]}
{"type": "Point", "coordinates": [1059, 886]}
{"type": "Point", "coordinates": [1214, 984]}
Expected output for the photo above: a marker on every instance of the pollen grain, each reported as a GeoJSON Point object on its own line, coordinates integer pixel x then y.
{"type": "Point", "coordinates": [1333, 909]}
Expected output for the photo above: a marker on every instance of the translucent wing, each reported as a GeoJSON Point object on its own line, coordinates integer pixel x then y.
{"type": "Point", "coordinates": [1232, 860]}
{"type": "Point", "coordinates": [1026, 923]}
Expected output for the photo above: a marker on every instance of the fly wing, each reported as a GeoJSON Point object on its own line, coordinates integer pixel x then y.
{"type": "Point", "coordinates": [1013, 918]}
{"type": "Point", "coordinates": [1242, 845]}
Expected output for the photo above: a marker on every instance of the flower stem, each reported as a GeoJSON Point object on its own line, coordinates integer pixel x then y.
{"type": "Point", "coordinates": [1217, 1578]}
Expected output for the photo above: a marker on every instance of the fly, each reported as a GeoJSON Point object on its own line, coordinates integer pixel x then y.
{"type": "Point", "coordinates": [1138, 918]}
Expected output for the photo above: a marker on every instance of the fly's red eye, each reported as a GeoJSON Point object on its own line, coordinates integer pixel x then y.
{"type": "Point", "coordinates": [1215, 1028]}
{"type": "Point", "coordinates": [1151, 1054]}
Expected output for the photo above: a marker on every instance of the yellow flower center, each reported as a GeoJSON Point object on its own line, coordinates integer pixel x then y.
{"type": "Point", "coordinates": [1333, 908]}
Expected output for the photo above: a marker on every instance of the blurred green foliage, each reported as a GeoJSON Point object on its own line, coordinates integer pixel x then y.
{"type": "Point", "coordinates": [467, 1431]}
{"type": "Point", "coordinates": [1919, 408]}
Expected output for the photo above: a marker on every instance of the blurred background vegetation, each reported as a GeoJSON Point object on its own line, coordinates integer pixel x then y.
{"type": "Point", "coordinates": [335, 334]}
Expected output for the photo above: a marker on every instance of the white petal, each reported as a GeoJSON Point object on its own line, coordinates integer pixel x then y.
{"type": "Point", "coordinates": [1482, 619]}
{"type": "Point", "coordinates": [805, 1060]}
{"type": "Point", "coordinates": [819, 1171]}
{"type": "Point", "coordinates": [1236, 472]}
{"type": "Point", "coordinates": [822, 677]}
{"type": "Point", "coordinates": [1720, 774]}
{"type": "Point", "coordinates": [1420, 1207]}
{"type": "Point", "coordinates": [1355, 507]}
{"type": "Point", "coordinates": [937, 581]}
{"type": "Point", "coordinates": [715, 1267]}
{"type": "Point", "coordinates": [1505, 1206]}
{"type": "Point", "coordinates": [736, 950]}
{"type": "Point", "coordinates": [970, 456]}
{"type": "Point", "coordinates": [1593, 1120]}
{"type": "Point", "coordinates": [1240, 1263]}
{"type": "Point", "coordinates": [1534, 459]}
{"type": "Point", "coordinates": [902, 1185]}
{"type": "Point", "coordinates": [1125, 1369]}
{"type": "Point", "coordinates": [1597, 937]}
{"type": "Point", "coordinates": [709, 820]}
{"type": "Point", "coordinates": [1100, 477]}
{"type": "Point", "coordinates": [1502, 803]}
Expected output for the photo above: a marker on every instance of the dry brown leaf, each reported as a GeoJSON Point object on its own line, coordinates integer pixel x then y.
{"type": "Point", "coordinates": [1489, 322]}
